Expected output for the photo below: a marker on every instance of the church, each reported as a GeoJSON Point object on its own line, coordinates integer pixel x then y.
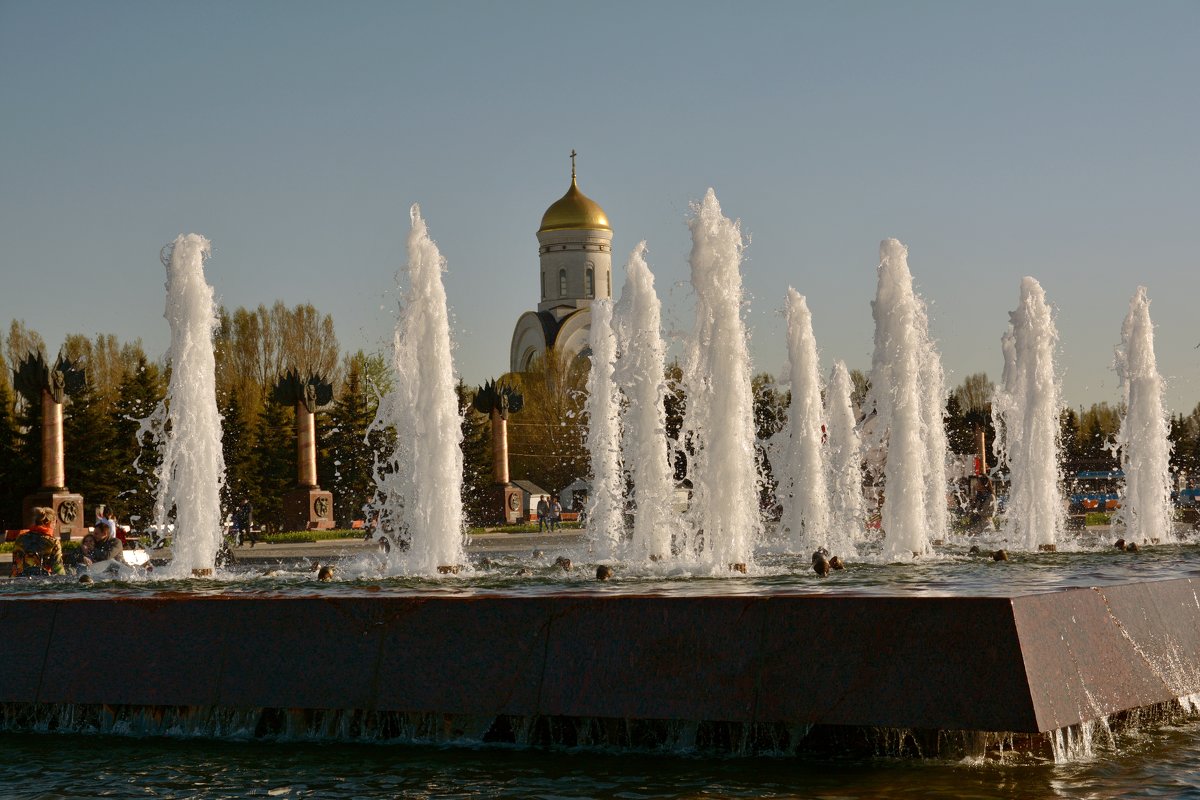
{"type": "Point", "coordinates": [575, 268]}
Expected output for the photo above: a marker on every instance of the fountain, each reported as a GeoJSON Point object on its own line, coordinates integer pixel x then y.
{"type": "Point", "coordinates": [639, 373]}
{"type": "Point", "coordinates": [945, 653]}
{"type": "Point", "coordinates": [846, 515]}
{"type": "Point", "coordinates": [907, 400]}
{"type": "Point", "coordinates": [421, 484]}
{"type": "Point", "coordinates": [1145, 449]}
{"type": "Point", "coordinates": [803, 490]}
{"type": "Point", "coordinates": [1026, 410]}
{"type": "Point", "coordinates": [193, 465]}
{"type": "Point", "coordinates": [606, 524]}
{"type": "Point", "coordinates": [719, 425]}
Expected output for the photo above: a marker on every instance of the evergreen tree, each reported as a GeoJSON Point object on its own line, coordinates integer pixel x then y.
{"type": "Point", "coordinates": [237, 446]}
{"type": "Point", "coordinates": [350, 474]}
{"type": "Point", "coordinates": [274, 463]}
{"type": "Point", "coordinates": [135, 450]}
{"type": "Point", "coordinates": [478, 487]}
{"type": "Point", "coordinates": [10, 501]}
{"type": "Point", "coordinates": [91, 469]}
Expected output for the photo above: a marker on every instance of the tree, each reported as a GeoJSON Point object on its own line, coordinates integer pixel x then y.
{"type": "Point", "coordinates": [91, 468]}
{"type": "Point", "coordinates": [237, 447]}
{"type": "Point", "coordinates": [546, 445]}
{"type": "Point", "coordinates": [352, 449]}
{"type": "Point", "coordinates": [478, 494]}
{"type": "Point", "coordinates": [10, 501]}
{"type": "Point", "coordinates": [770, 416]}
{"type": "Point", "coordinates": [274, 466]}
{"type": "Point", "coordinates": [134, 446]}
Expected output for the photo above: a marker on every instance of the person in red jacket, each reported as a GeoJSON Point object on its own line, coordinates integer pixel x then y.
{"type": "Point", "coordinates": [37, 551]}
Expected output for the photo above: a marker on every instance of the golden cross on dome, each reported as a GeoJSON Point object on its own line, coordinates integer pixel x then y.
{"type": "Point", "coordinates": [572, 163]}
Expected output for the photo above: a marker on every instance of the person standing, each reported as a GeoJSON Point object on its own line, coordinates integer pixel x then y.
{"type": "Point", "coordinates": [543, 515]}
{"type": "Point", "coordinates": [38, 551]}
{"type": "Point", "coordinates": [555, 513]}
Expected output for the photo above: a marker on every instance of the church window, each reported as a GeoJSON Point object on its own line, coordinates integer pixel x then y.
{"type": "Point", "coordinates": [609, 276]}
{"type": "Point", "coordinates": [589, 282]}
{"type": "Point", "coordinates": [562, 283]}
{"type": "Point", "coordinates": [543, 286]}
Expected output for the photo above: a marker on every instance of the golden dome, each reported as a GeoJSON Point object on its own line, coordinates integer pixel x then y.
{"type": "Point", "coordinates": [574, 210]}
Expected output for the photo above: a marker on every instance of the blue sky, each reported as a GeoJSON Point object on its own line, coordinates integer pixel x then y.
{"type": "Point", "coordinates": [1059, 140]}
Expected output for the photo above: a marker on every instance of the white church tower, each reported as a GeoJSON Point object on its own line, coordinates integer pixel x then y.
{"type": "Point", "coordinates": [575, 267]}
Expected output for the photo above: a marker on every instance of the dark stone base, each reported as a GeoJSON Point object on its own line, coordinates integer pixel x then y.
{"type": "Point", "coordinates": [615, 670]}
{"type": "Point", "coordinates": [69, 518]}
{"type": "Point", "coordinates": [308, 509]}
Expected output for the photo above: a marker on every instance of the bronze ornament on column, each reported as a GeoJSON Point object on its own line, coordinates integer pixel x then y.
{"type": "Point", "coordinates": [498, 401]}
{"type": "Point", "coordinates": [50, 386]}
{"type": "Point", "coordinates": [308, 506]}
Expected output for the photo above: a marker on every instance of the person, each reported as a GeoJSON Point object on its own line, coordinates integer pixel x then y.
{"type": "Point", "coordinates": [114, 527]}
{"type": "Point", "coordinates": [87, 548]}
{"type": "Point", "coordinates": [38, 551]}
{"type": "Point", "coordinates": [108, 546]}
{"type": "Point", "coordinates": [555, 513]}
{"type": "Point", "coordinates": [543, 515]}
{"type": "Point", "coordinates": [243, 524]}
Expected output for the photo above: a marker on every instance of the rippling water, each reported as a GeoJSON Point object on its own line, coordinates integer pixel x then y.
{"type": "Point", "coordinates": [1164, 762]}
{"type": "Point", "coordinates": [1160, 760]}
{"type": "Point", "coordinates": [952, 570]}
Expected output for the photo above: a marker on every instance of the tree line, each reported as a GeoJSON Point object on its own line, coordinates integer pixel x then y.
{"type": "Point", "coordinates": [111, 456]}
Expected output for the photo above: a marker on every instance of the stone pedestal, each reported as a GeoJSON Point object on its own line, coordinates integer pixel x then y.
{"type": "Point", "coordinates": [513, 501]}
{"type": "Point", "coordinates": [69, 521]}
{"type": "Point", "coordinates": [308, 508]}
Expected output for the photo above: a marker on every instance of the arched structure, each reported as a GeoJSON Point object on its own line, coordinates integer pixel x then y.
{"type": "Point", "coordinates": [575, 267]}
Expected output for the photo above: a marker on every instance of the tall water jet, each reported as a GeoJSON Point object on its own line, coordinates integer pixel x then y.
{"type": "Point", "coordinates": [844, 461]}
{"type": "Point", "coordinates": [641, 375]}
{"type": "Point", "coordinates": [1143, 441]}
{"type": "Point", "coordinates": [422, 484]}
{"type": "Point", "coordinates": [803, 490]}
{"type": "Point", "coordinates": [193, 466]}
{"type": "Point", "coordinates": [897, 397]}
{"type": "Point", "coordinates": [720, 416]}
{"type": "Point", "coordinates": [605, 519]}
{"type": "Point", "coordinates": [933, 433]}
{"type": "Point", "coordinates": [1026, 413]}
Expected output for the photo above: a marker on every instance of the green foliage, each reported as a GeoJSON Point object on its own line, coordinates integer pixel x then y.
{"type": "Point", "coordinates": [1097, 518]}
{"type": "Point", "coordinates": [546, 440]}
{"type": "Point", "coordinates": [477, 491]}
{"type": "Point", "coordinates": [770, 417]}
{"type": "Point", "coordinates": [350, 448]}
{"type": "Point", "coordinates": [273, 469]}
{"type": "Point", "coordinates": [134, 451]}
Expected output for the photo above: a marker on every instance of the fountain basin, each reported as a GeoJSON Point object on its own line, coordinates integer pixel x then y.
{"type": "Point", "coordinates": [485, 667]}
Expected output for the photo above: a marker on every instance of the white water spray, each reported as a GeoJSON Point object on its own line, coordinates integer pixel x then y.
{"type": "Point", "coordinates": [720, 416]}
{"type": "Point", "coordinates": [422, 487]}
{"type": "Point", "coordinates": [1145, 446]}
{"type": "Point", "coordinates": [846, 514]}
{"type": "Point", "coordinates": [641, 375]}
{"type": "Point", "coordinates": [802, 486]}
{"type": "Point", "coordinates": [606, 524]}
{"type": "Point", "coordinates": [899, 363]}
{"type": "Point", "coordinates": [193, 466]}
{"type": "Point", "coordinates": [1026, 413]}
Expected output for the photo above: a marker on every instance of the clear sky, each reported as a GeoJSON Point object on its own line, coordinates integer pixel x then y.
{"type": "Point", "coordinates": [1059, 140]}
